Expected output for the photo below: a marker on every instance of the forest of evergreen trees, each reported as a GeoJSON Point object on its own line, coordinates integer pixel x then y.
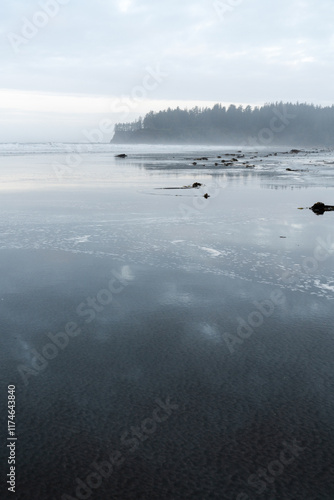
{"type": "Point", "coordinates": [280, 123]}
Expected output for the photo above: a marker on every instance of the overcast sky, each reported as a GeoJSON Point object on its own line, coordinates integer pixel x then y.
{"type": "Point", "coordinates": [68, 64]}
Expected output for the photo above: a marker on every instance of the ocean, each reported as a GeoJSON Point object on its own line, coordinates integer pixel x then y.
{"type": "Point", "coordinates": [162, 344]}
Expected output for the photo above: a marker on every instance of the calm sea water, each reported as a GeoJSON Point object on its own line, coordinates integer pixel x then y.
{"type": "Point", "coordinates": [164, 345]}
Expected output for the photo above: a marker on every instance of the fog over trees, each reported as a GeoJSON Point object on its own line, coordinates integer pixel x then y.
{"type": "Point", "coordinates": [277, 123]}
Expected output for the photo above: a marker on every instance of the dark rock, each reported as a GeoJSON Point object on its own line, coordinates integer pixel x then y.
{"type": "Point", "coordinates": [196, 185]}
{"type": "Point", "coordinates": [195, 163]}
{"type": "Point", "coordinates": [121, 156]}
{"type": "Point", "coordinates": [206, 196]}
{"type": "Point", "coordinates": [295, 170]}
{"type": "Point", "coordinates": [320, 208]}
{"type": "Point", "coordinates": [295, 151]}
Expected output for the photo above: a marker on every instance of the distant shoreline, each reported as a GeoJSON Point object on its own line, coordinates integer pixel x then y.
{"type": "Point", "coordinates": [274, 124]}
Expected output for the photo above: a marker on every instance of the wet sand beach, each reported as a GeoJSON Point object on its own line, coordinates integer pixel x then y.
{"type": "Point", "coordinates": [163, 345]}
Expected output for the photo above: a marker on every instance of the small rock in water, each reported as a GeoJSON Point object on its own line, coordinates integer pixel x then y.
{"type": "Point", "coordinates": [206, 196]}
{"type": "Point", "coordinates": [123, 155]}
{"type": "Point", "coordinates": [320, 208]}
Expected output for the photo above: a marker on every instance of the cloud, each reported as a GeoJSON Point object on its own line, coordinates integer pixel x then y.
{"type": "Point", "coordinates": [88, 51]}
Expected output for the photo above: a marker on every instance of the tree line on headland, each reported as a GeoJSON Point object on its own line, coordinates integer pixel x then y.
{"type": "Point", "coordinates": [272, 124]}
